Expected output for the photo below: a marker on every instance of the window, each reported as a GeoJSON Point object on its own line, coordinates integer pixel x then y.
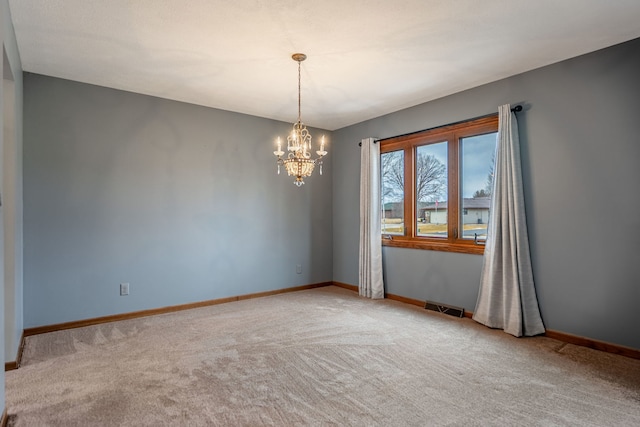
{"type": "Point", "coordinates": [436, 186]}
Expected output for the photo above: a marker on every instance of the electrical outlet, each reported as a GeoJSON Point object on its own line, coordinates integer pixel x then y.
{"type": "Point", "coordinates": [299, 268]}
{"type": "Point", "coordinates": [124, 289]}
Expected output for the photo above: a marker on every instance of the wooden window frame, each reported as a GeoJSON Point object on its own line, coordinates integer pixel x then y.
{"type": "Point", "coordinates": [408, 144]}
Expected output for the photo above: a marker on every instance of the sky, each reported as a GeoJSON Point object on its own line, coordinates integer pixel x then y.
{"type": "Point", "coordinates": [477, 152]}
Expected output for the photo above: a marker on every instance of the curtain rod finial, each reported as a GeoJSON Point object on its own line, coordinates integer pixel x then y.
{"type": "Point", "coordinates": [375, 141]}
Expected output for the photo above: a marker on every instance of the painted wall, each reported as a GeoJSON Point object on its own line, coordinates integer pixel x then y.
{"type": "Point", "coordinates": [12, 206]}
{"type": "Point", "coordinates": [2, 325]}
{"type": "Point", "coordinates": [11, 141]}
{"type": "Point", "coordinates": [181, 201]}
{"type": "Point", "coordinates": [580, 151]}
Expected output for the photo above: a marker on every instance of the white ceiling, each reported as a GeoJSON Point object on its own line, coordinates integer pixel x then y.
{"type": "Point", "coordinates": [365, 57]}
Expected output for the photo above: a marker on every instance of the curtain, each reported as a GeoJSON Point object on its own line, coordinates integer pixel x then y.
{"type": "Point", "coordinates": [507, 298]}
{"type": "Point", "coordinates": [370, 283]}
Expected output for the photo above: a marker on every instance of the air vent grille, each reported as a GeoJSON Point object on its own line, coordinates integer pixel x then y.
{"type": "Point", "coordinates": [446, 309]}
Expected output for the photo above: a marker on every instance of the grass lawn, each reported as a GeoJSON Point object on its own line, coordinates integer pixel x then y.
{"type": "Point", "coordinates": [395, 226]}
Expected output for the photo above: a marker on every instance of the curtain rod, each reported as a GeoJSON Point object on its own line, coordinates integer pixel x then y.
{"type": "Point", "coordinates": [515, 109]}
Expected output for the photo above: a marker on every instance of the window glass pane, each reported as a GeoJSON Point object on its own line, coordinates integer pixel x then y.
{"type": "Point", "coordinates": [431, 190]}
{"type": "Point", "coordinates": [477, 161]}
{"type": "Point", "coordinates": [392, 188]}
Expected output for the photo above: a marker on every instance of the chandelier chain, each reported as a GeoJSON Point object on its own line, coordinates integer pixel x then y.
{"type": "Point", "coordinates": [299, 96]}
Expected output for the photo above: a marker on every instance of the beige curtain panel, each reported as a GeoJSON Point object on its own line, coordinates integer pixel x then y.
{"type": "Point", "coordinates": [507, 298]}
{"type": "Point", "coordinates": [370, 282]}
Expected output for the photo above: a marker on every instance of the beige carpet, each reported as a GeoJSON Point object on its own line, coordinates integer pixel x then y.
{"type": "Point", "coordinates": [318, 357]}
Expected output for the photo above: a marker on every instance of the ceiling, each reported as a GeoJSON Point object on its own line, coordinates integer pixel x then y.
{"type": "Point", "coordinates": [366, 58]}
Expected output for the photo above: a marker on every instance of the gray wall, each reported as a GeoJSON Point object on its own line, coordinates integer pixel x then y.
{"type": "Point", "coordinates": [11, 211]}
{"type": "Point", "coordinates": [580, 152]}
{"type": "Point", "coordinates": [2, 322]}
{"type": "Point", "coordinates": [12, 205]}
{"type": "Point", "coordinates": [181, 201]}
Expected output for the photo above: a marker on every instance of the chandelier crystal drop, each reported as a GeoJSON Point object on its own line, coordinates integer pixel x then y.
{"type": "Point", "coordinates": [298, 162]}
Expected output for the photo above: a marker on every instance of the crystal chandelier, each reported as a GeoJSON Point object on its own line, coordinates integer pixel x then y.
{"type": "Point", "coordinates": [298, 162]}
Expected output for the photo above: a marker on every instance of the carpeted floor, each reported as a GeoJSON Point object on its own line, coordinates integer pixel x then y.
{"type": "Point", "coordinates": [317, 357]}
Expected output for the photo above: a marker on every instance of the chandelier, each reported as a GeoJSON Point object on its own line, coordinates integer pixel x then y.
{"type": "Point", "coordinates": [298, 162]}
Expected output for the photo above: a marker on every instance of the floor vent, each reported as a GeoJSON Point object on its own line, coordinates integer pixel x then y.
{"type": "Point", "coordinates": [446, 309]}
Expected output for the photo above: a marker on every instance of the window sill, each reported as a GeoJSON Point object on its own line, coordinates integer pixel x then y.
{"type": "Point", "coordinates": [462, 247]}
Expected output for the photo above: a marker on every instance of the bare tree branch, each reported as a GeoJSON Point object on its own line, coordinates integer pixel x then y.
{"type": "Point", "coordinates": [489, 187]}
{"type": "Point", "coordinates": [431, 178]}
{"type": "Point", "coordinates": [392, 176]}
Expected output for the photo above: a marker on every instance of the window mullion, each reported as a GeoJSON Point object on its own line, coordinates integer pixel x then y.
{"type": "Point", "coordinates": [409, 191]}
{"type": "Point", "coordinates": [453, 196]}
